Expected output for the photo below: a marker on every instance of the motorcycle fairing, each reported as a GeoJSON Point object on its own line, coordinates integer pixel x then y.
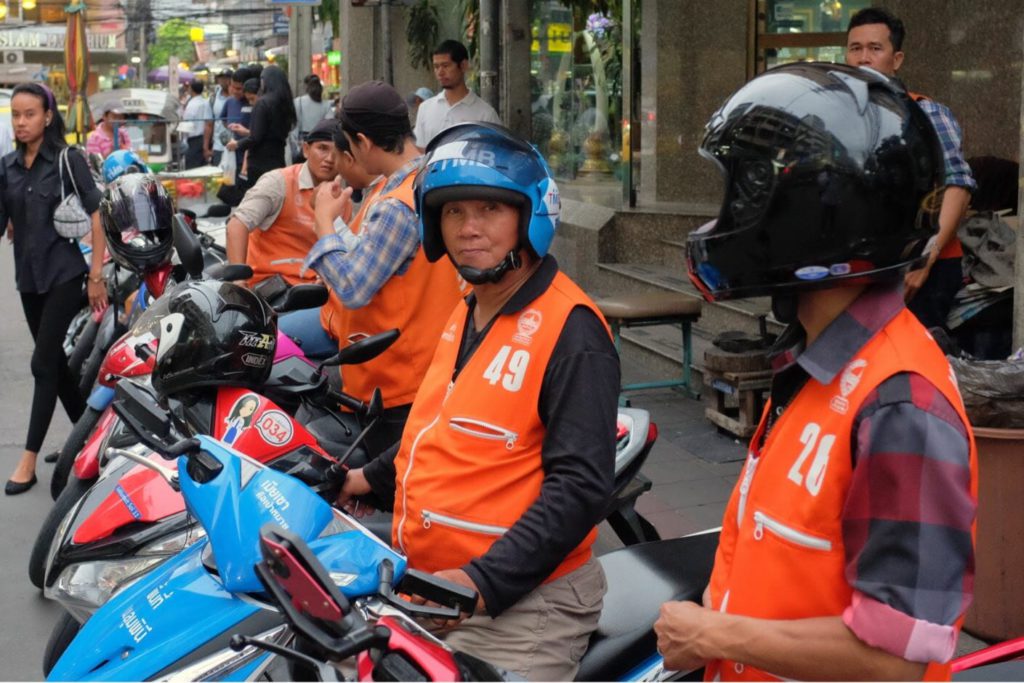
{"type": "Point", "coordinates": [87, 462]}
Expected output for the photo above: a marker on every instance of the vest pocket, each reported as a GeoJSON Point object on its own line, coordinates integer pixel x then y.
{"type": "Point", "coordinates": [430, 518]}
{"type": "Point", "coordinates": [763, 523]}
{"type": "Point", "coordinates": [483, 430]}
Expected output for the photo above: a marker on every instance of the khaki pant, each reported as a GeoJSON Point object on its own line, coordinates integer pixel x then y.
{"type": "Point", "coordinates": [543, 636]}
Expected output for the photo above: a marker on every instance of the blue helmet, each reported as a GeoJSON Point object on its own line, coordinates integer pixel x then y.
{"type": "Point", "coordinates": [485, 161]}
{"type": "Point", "coordinates": [122, 161]}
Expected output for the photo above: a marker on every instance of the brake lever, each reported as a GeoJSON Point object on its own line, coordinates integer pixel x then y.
{"type": "Point", "coordinates": [325, 672]}
{"type": "Point", "coordinates": [386, 591]}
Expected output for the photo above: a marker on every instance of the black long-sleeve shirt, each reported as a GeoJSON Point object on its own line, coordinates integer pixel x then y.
{"type": "Point", "coordinates": [28, 198]}
{"type": "Point", "coordinates": [578, 407]}
{"type": "Point", "coordinates": [268, 132]}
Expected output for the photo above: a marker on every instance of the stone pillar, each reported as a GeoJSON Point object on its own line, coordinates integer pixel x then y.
{"type": "Point", "coordinates": [515, 109]}
{"type": "Point", "coordinates": [357, 44]}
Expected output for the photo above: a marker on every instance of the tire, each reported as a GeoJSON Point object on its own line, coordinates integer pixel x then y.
{"type": "Point", "coordinates": [75, 489]}
{"type": "Point", "coordinates": [64, 631]}
{"type": "Point", "coordinates": [82, 348]}
{"type": "Point", "coordinates": [90, 370]}
{"type": "Point", "coordinates": [80, 433]}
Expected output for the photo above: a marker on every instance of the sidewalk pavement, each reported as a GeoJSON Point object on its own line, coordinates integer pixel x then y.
{"type": "Point", "coordinates": [693, 468]}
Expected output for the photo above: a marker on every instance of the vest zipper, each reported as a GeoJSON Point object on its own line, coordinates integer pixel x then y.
{"type": "Point", "coordinates": [430, 518]}
{"type": "Point", "coordinates": [748, 475]}
{"type": "Point", "coordinates": [405, 480]}
{"type": "Point", "coordinates": [483, 430]}
{"type": "Point", "coordinates": [763, 521]}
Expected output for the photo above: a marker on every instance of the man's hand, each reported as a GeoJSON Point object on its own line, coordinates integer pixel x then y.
{"type": "Point", "coordinates": [331, 201]}
{"type": "Point", "coordinates": [355, 485]}
{"type": "Point", "coordinates": [915, 279]}
{"type": "Point", "coordinates": [231, 145]}
{"type": "Point", "coordinates": [461, 578]}
{"type": "Point", "coordinates": [680, 629]}
{"type": "Point", "coordinates": [238, 128]}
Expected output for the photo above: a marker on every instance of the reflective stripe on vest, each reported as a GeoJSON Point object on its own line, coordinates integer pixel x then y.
{"type": "Point", "coordinates": [470, 461]}
{"type": "Point", "coordinates": [281, 248]}
{"type": "Point", "coordinates": [781, 553]}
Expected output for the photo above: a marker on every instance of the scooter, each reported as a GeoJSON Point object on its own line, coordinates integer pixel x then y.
{"type": "Point", "coordinates": [148, 630]}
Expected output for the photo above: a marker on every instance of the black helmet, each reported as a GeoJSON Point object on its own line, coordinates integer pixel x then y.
{"type": "Point", "coordinates": [137, 217]}
{"type": "Point", "coordinates": [831, 173]}
{"type": "Point", "coordinates": [213, 334]}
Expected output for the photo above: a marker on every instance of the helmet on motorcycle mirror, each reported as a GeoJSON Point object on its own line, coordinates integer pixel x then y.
{"type": "Point", "coordinates": [831, 177]}
{"type": "Point", "coordinates": [213, 334]}
{"type": "Point", "coordinates": [137, 219]}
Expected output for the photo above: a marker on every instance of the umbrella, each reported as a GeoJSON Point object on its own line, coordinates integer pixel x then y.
{"type": "Point", "coordinates": [76, 65]}
{"type": "Point", "coordinates": [159, 75]}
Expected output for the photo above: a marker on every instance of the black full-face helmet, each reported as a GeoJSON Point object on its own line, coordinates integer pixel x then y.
{"type": "Point", "coordinates": [831, 176]}
{"type": "Point", "coordinates": [137, 217]}
{"type": "Point", "coordinates": [213, 334]}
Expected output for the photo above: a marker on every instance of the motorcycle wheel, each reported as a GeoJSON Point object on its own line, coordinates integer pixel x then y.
{"type": "Point", "coordinates": [81, 345]}
{"type": "Point", "coordinates": [90, 370]}
{"type": "Point", "coordinates": [64, 631]}
{"type": "Point", "coordinates": [80, 433]}
{"type": "Point", "coordinates": [75, 489]}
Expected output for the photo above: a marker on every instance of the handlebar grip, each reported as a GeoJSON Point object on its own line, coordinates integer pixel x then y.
{"type": "Point", "coordinates": [190, 445]}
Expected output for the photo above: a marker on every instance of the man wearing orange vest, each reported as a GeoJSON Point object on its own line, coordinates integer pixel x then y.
{"type": "Point", "coordinates": [846, 549]}
{"type": "Point", "coordinates": [507, 460]}
{"type": "Point", "coordinates": [373, 263]}
{"type": "Point", "coordinates": [272, 229]}
{"type": "Point", "coordinates": [874, 39]}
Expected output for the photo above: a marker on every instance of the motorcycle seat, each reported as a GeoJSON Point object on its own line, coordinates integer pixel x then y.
{"type": "Point", "coordinates": [640, 579]}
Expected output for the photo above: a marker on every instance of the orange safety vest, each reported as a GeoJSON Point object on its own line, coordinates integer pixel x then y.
{"type": "Point", "coordinates": [281, 248]}
{"type": "Point", "coordinates": [417, 302]}
{"type": "Point", "coordinates": [470, 461]}
{"type": "Point", "coordinates": [330, 313]}
{"type": "Point", "coordinates": [953, 248]}
{"type": "Point", "coordinates": [781, 553]}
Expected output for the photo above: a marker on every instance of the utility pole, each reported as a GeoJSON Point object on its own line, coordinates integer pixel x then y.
{"type": "Point", "coordinates": [489, 31]}
{"type": "Point", "coordinates": [385, 35]}
{"type": "Point", "coordinates": [300, 33]}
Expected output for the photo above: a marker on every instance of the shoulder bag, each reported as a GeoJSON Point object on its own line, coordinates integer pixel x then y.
{"type": "Point", "coordinates": [69, 218]}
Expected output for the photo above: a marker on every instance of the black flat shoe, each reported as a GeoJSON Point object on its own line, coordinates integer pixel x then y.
{"type": "Point", "coordinates": [13, 488]}
{"type": "Point", "coordinates": [51, 457]}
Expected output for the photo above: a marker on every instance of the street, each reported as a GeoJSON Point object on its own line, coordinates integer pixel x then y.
{"type": "Point", "coordinates": [26, 618]}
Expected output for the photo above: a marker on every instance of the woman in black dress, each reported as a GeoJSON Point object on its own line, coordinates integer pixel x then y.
{"type": "Point", "coordinates": [273, 116]}
{"type": "Point", "coordinates": [49, 269]}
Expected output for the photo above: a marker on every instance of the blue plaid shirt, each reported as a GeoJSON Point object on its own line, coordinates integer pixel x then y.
{"type": "Point", "coordinates": [388, 239]}
{"type": "Point", "coordinates": [958, 173]}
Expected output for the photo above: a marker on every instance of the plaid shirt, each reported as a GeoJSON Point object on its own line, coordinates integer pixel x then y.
{"type": "Point", "coordinates": [388, 239]}
{"type": "Point", "coordinates": [958, 173]}
{"type": "Point", "coordinates": [908, 513]}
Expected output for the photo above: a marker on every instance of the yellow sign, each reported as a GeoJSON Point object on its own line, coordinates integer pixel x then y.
{"type": "Point", "coordinates": [196, 34]}
{"type": "Point", "coordinates": [559, 38]}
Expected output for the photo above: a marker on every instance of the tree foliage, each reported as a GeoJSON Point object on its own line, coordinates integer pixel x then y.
{"type": "Point", "coordinates": [421, 32]}
{"type": "Point", "coordinates": [172, 38]}
{"type": "Point", "coordinates": [330, 13]}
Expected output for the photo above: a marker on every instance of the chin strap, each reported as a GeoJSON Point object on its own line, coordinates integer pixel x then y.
{"type": "Point", "coordinates": [784, 308]}
{"type": "Point", "coordinates": [476, 276]}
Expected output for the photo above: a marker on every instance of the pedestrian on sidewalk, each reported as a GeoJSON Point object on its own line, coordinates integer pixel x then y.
{"type": "Point", "coordinates": [455, 103]}
{"type": "Point", "coordinates": [49, 269]}
{"type": "Point", "coordinates": [846, 550]}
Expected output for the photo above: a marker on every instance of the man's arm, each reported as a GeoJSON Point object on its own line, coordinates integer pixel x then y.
{"type": "Point", "coordinates": [237, 240]}
{"type": "Point", "coordinates": [578, 405]}
{"type": "Point", "coordinates": [258, 210]}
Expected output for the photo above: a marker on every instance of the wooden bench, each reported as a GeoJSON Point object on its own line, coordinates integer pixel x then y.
{"type": "Point", "coordinates": [744, 376]}
{"type": "Point", "coordinates": [645, 310]}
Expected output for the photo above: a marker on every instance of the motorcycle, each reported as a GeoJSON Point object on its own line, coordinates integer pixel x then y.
{"type": "Point", "coordinates": [145, 630]}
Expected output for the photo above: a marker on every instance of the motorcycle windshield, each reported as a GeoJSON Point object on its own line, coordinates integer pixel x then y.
{"type": "Point", "coordinates": [234, 496]}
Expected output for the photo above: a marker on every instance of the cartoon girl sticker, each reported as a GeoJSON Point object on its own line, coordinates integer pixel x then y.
{"type": "Point", "coordinates": [240, 418]}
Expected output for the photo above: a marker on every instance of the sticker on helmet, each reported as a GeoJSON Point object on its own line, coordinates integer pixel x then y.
{"type": "Point", "coordinates": [812, 273]}
{"type": "Point", "coordinates": [253, 340]}
{"type": "Point", "coordinates": [551, 205]}
{"type": "Point", "coordinates": [840, 269]}
{"type": "Point", "coordinates": [275, 427]}
{"type": "Point", "coordinates": [463, 153]}
{"type": "Point", "coordinates": [255, 360]}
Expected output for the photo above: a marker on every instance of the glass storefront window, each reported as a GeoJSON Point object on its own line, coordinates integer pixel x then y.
{"type": "Point", "coordinates": [576, 84]}
{"type": "Point", "coordinates": [802, 30]}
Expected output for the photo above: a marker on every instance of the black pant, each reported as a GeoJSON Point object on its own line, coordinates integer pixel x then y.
{"type": "Point", "coordinates": [194, 155]}
{"type": "Point", "coordinates": [934, 300]}
{"type": "Point", "coordinates": [48, 315]}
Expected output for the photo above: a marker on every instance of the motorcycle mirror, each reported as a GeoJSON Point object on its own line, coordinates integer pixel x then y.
{"type": "Point", "coordinates": [139, 410]}
{"type": "Point", "coordinates": [363, 350]}
{"type": "Point", "coordinates": [228, 272]}
{"type": "Point", "coordinates": [190, 252]}
{"type": "Point", "coordinates": [375, 406]}
{"type": "Point", "coordinates": [302, 297]}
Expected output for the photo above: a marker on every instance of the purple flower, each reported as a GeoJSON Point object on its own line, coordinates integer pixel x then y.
{"type": "Point", "coordinates": [599, 24]}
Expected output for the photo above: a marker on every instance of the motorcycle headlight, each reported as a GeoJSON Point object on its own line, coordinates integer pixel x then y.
{"type": "Point", "coordinates": [88, 585]}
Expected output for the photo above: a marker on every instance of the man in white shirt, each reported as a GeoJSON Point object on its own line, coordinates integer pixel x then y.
{"type": "Point", "coordinates": [455, 103]}
{"type": "Point", "coordinates": [197, 126]}
{"type": "Point", "coordinates": [220, 131]}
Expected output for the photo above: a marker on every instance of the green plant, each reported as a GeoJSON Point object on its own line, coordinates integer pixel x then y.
{"type": "Point", "coordinates": [421, 31]}
{"type": "Point", "coordinates": [172, 38]}
{"type": "Point", "coordinates": [329, 13]}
